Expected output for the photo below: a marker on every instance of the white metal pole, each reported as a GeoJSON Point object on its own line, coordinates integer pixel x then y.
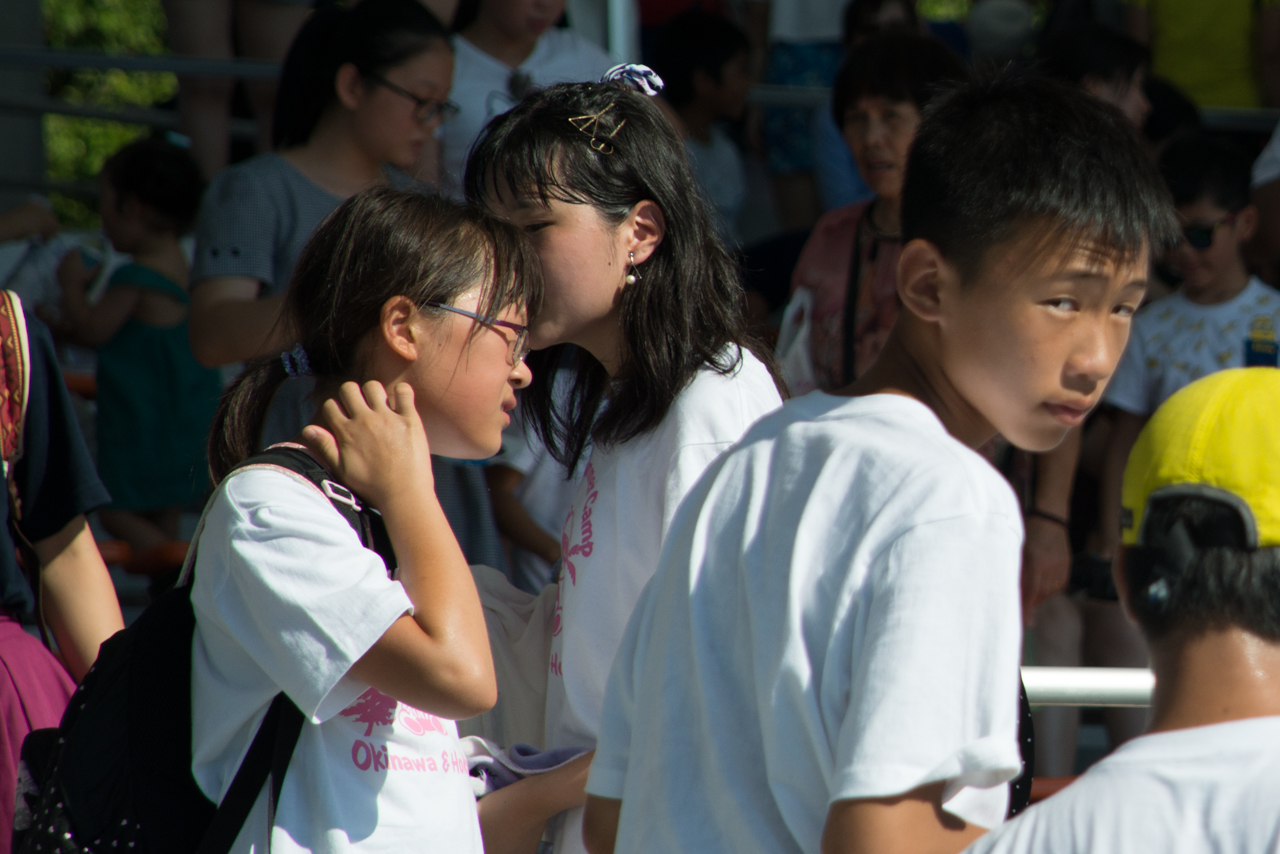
{"type": "Point", "coordinates": [1088, 686]}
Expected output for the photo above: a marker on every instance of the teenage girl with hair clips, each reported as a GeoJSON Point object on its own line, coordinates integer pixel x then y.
{"type": "Point", "coordinates": [409, 312]}
{"type": "Point", "coordinates": [665, 375]}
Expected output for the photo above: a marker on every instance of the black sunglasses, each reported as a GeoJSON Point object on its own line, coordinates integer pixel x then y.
{"type": "Point", "coordinates": [426, 110]}
{"type": "Point", "coordinates": [1201, 236]}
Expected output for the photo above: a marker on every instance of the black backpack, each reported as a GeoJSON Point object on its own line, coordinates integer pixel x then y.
{"type": "Point", "coordinates": [115, 775]}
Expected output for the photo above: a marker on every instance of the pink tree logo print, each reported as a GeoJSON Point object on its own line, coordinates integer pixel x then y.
{"type": "Point", "coordinates": [373, 708]}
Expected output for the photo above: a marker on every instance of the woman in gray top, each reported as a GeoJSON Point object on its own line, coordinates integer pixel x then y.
{"type": "Point", "coordinates": [361, 92]}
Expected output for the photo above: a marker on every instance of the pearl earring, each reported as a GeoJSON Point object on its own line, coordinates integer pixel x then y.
{"type": "Point", "coordinates": [635, 273]}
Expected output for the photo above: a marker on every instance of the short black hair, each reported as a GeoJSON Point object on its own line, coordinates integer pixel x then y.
{"type": "Point", "coordinates": [1196, 165]}
{"type": "Point", "coordinates": [1092, 50]}
{"type": "Point", "coordinates": [1016, 149]}
{"type": "Point", "coordinates": [695, 41]}
{"type": "Point", "coordinates": [860, 19]}
{"type": "Point", "coordinates": [897, 65]}
{"type": "Point", "coordinates": [1194, 571]}
{"type": "Point", "coordinates": [1171, 110]}
{"type": "Point", "coordinates": [162, 176]}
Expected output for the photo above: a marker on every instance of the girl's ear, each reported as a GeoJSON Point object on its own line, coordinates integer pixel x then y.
{"type": "Point", "coordinates": [644, 229]}
{"type": "Point", "coordinates": [399, 328]}
{"type": "Point", "coordinates": [348, 85]}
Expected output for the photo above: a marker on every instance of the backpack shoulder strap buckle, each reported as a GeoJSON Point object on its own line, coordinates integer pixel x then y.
{"type": "Point", "coordinates": [339, 493]}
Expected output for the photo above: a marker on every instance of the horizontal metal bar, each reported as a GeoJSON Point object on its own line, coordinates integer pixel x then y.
{"type": "Point", "coordinates": [790, 96]}
{"type": "Point", "coordinates": [1247, 121]}
{"type": "Point", "coordinates": [36, 57]}
{"type": "Point", "coordinates": [150, 116]}
{"type": "Point", "coordinates": [1088, 686]}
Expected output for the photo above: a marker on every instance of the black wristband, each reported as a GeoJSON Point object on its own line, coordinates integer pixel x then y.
{"type": "Point", "coordinates": [1043, 514]}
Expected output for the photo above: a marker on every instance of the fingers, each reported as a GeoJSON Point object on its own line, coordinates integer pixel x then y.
{"type": "Point", "coordinates": [323, 444]}
{"type": "Point", "coordinates": [404, 399]}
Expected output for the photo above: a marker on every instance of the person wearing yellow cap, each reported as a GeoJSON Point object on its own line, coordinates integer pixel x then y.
{"type": "Point", "coordinates": [1200, 572]}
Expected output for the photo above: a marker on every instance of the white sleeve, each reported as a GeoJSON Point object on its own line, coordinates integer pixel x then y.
{"type": "Point", "coordinates": [1129, 388]}
{"type": "Point", "coordinates": [933, 693]}
{"type": "Point", "coordinates": [1267, 167]}
{"type": "Point", "coordinates": [613, 745]}
{"type": "Point", "coordinates": [296, 589]}
{"type": "Point", "coordinates": [687, 467]}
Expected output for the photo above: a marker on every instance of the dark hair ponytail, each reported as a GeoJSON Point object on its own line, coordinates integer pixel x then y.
{"type": "Point", "coordinates": [373, 36]}
{"type": "Point", "coordinates": [687, 310]}
{"type": "Point", "coordinates": [379, 244]}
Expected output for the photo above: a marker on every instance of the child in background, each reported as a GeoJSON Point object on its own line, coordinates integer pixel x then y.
{"type": "Point", "coordinates": [665, 376]}
{"type": "Point", "coordinates": [423, 303]}
{"type": "Point", "coordinates": [1107, 64]}
{"type": "Point", "coordinates": [704, 61]}
{"type": "Point", "coordinates": [155, 402]}
{"type": "Point", "coordinates": [851, 259]}
{"type": "Point", "coordinates": [827, 657]}
{"type": "Point", "coordinates": [1200, 572]}
{"type": "Point", "coordinates": [511, 48]}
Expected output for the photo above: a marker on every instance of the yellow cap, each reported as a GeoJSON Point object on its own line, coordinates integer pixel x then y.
{"type": "Point", "coordinates": [1218, 437]}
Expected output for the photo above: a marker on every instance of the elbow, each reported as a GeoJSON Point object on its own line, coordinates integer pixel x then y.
{"type": "Point", "coordinates": [204, 344]}
{"type": "Point", "coordinates": [476, 691]}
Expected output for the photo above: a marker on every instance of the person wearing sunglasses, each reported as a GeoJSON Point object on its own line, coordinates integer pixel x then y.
{"type": "Point", "coordinates": [1219, 317]}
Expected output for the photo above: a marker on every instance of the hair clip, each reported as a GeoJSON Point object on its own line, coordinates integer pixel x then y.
{"type": "Point", "coordinates": [295, 362]}
{"type": "Point", "coordinates": [642, 78]}
{"type": "Point", "coordinates": [590, 125]}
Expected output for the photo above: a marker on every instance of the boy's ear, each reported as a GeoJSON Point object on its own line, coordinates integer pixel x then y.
{"type": "Point", "coordinates": [923, 276]}
{"type": "Point", "coordinates": [399, 329]}
{"type": "Point", "coordinates": [645, 229]}
{"type": "Point", "coordinates": [348, 85]}
{"type": "Point", "coordinates": [1246, 223]}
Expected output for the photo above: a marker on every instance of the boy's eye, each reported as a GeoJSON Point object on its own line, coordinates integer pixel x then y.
{"type": "Point", "coordinates": [1063, 304]}
{"type": "Point", "coordinates": [1126, 310]}
{"type": "Point", "coordinates": [536, 226]}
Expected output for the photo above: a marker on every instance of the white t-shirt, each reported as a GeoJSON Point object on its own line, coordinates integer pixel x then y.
{"type": "Point", "coordinates": [480, 88]}
{"type": "Point", "coordinates": [613, 535]}
{"type": "Point", "coordinates": [287, 599]}
{"type": "Point", "coordinates": [1175, 342]}
{"type": "Point", "coordinates": [718, 168]}
{"type": "Point", "coordinates": [836, 615]}
{"type": "Point", "coordinates": [1187, 791]}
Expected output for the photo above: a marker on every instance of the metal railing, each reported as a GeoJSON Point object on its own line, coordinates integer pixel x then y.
{"type": "Point", "coordinates": [1088, 686]}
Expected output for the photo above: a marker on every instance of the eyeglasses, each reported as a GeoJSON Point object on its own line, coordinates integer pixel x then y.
{"type": "Point", "coordinates": [520, 347]}
{"type": "Point", "coordinates": [1201, 236]}
{"type": "Point", "coordinates": [426, 110]}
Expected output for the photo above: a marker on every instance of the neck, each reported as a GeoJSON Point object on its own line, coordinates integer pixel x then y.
{"type": "Point", "coordinates": [333, 159]}
{"type": "Point", "coordinates": [510, 50]}
{"type": "Point", "coordinates": [1216, 676]}
{"type": "Point", "coordinates": [163, 253]}
{"type": "Point", "coordinates": [697, 121]}
{"type": "Point", "coordinates": [886, 214]}
{"type": "Point", "coordinates": [899, 371]}
{"type": "Point", "coordinates": [1227, 287]}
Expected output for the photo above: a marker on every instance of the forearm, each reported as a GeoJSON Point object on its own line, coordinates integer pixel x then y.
{"type": "Point", "coordinates": [513, 818]}
{"type": "Point", "coordinates": [1056, 474]}
{"type": "Point", "coordinates": [454, 661]}
{"type": "Point", "coordinates": [514, 522]}
{"type": "Point", "coordinates": [225, 331]}
{"type": "Point", "coordinates": [914, 823]}
{"type": "Point", "coordinates": [1124, 433]}
{"type": "Point", "coordinates": [79, 599]}
{"type": "Point", "coordinates": [600, 824]}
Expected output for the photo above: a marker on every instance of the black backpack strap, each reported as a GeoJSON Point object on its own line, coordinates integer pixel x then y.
{"type": "Point", "coordinates": [268, 757]}
{"type": "Point", "coordinates": [277, 736]}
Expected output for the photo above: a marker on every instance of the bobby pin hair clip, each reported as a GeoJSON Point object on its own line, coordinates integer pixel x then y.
{"type": "Point", "coordinates": [642, 78]}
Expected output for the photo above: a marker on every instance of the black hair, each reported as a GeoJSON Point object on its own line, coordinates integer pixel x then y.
{"type": "Point", "coordinates": [695, 41]}
{"type": "Point", "coordinates": [378, 244]}
{"type": "Point", "coordinates": [687, 309]}
{"type": "Point", "coordinates": [1092, 50]}
{"type": "Point", "coordinates": [1195, 572]}
{"type": "Point", "coordinates": [374, 36]}
{"type": "Point", "coordinates": [897, 65]}
{"type": "Point", "coordinates": [860, 19]}
{"type": "Point", "coordinates": [161, 175]}
{"type": "Point", "coordinates": [1171, 110]}
{"type": "Point", "coordinates": [1014, 150]}
{"type": "Point", "coordinates": [1196, 165]}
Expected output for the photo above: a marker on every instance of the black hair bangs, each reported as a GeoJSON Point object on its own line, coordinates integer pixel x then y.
{"type": "Point", "coordinates": [900, 66]}
{"type": "Point", "coordinates": [1015, 150]}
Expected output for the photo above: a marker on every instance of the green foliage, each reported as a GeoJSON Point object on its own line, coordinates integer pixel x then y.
{"type": "Point", "coordinates": [75, 148]}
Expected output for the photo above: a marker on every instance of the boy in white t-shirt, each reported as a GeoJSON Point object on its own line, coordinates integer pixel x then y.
{"type": "Point", "coordinates": [1219, 317]}
{"type": "Point", "coordinates": [511, 48]}
{"type": "Point", "coordinates": [827, 656]}
{"type": "Point", "coordinates": [1200, 571]}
